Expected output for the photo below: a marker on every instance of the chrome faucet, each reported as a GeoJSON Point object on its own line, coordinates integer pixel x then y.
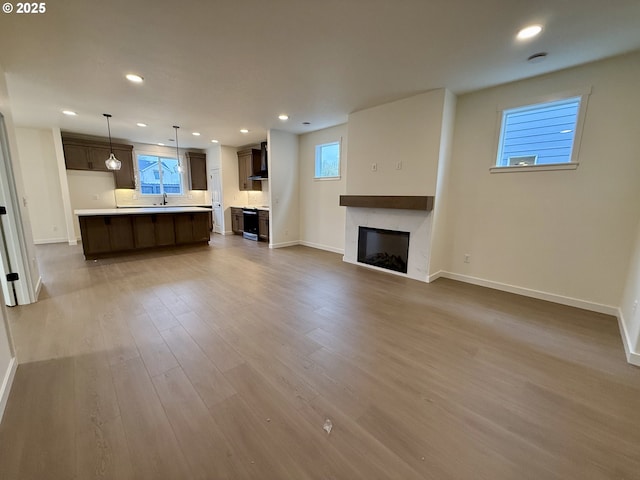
{"type": "Point", "coordinates": [164, 198]}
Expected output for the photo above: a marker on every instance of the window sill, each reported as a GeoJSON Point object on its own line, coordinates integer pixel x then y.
{"type": "Point", "coordinates": [535, 168]}
{"type": "Point", "coordinates": [322, 179]}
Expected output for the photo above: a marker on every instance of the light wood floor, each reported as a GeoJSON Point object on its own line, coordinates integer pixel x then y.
{"type": "Point", "coordinates": [224, 362]}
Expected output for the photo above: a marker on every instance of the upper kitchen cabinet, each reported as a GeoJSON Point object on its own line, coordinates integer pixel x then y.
{"type": "Point", "coordinates": [82, 154]}
{"type": "Point", "coordinates": [198, 169]}
{"type": "Point", "coordinates": [249, 161]}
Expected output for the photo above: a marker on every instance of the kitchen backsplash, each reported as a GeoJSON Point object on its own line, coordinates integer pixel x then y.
{"type": "Point", "coordinates": [133, 197]}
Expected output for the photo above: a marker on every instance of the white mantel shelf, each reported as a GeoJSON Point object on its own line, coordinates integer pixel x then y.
{"type": "Point", "coordinates": [403, 202]}
{"type": "Point", "coordinates": [138, 211]}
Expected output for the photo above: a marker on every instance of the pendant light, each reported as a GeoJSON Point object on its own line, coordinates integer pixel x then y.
{"type": "Point", "coordinates": [112, 162]}
{"type": "Point", "coordinates": [179, 168]}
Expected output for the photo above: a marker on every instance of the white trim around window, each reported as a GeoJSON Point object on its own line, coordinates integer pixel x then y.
{"type": "Point", "coordinates": [573, 164]}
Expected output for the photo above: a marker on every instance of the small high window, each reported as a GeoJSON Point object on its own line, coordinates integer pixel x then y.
{"type": "Point", "coordinates": [540, 134]}
{"type": "Point", "coordinates": [328, 160]}
{"type": "Point", "coordinates": [159, 175]}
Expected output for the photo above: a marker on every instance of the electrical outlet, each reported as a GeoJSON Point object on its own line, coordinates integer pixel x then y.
{"type": "Point", "coordinates": [399, 165]}
{"type": "Point", "coordinates": [635, 306]}
{"type": "Point", "coordinates": [55, 228]}
{"type": "Point", "coordinates": [374, 167]}
{"type": "Point", "coordinates": [467, 258]}
{"type": "Point", "coordinates": [96, 197]}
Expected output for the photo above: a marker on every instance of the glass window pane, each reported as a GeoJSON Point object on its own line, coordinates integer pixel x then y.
{"type": "Point", "coordinates": [149, 174]}
{"type": "Point", "coordinates": [543, 132]}
{"type": "Point", "coordinates": [170, 176]}
{"type": "Point", "coordinates": [328, 160]}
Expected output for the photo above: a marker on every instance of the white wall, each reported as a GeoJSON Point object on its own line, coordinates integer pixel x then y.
{"type": "Point", "coordinates": [569, 233]}
{"type": "Point", "coordinates": [406, 131]}
{"type": "Point", "coordinates": [630, 316]}
{"type": "Point", "coordinates": [441, 231]}
{"type": "Point", "coordinates": [284, 222]}
{"type": "Point", "coordinates": [41, 185]}
{"type": "Point", "coordinates": [322, 219]}
{"type": "Point", "coordinates": [90, 190]}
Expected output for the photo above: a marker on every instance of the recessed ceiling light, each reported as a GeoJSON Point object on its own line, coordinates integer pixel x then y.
{"type": "Point", "coordinates": [244, 130]}
{"type": "Point", "coordinates": [196, 134]}
{"type": "Point", "coordinates": [140, 124]}
{"type": "Point", "coordinates": [161, 144]}
{"type": "Point", "coordinates": [214, 141]}
{"type": "Point", "coordinates": [69, 112]}
{"type": "Point", "coordinates": [284, 116]}
{"type": "Point", "coordinates": [529, 32]}
{"type": "Point", "coordinates": [132, 77]}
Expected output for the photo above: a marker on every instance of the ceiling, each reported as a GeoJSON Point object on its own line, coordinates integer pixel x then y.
{"type": "Point", "coordinates": [218, 66]}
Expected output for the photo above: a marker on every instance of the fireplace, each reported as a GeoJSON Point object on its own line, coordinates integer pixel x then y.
{"type": "Point", "coordinates": [383, 248]}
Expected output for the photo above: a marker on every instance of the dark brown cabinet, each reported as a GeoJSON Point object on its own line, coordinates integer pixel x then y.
{"type": "Point", "coordinates": [105, 234]}
{"type": "Point", "coordinates": [237, 221]}
{"type": "Point", "coordinates": [192, 227]}
{"type": "Point", "coordinates": [154, 230]}
{"type": "Point", "coordinates": [83, 154]}
{"type": "Point", "coordinates": [263, 225]}
{"type": "Point", "coordinates": [249, 163]}
{"type": "Point", "coordinates": [198, 170]}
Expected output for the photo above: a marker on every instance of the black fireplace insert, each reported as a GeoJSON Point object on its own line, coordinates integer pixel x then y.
{"type": "Point", "coordinates": [383, 248]}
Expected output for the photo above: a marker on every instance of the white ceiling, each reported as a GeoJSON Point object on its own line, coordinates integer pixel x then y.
{"type": "Point", "coordinates": [218, 66]}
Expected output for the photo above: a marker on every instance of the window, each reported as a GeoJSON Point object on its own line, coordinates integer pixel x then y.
{"type": "Point", "coordinates": [159, 175]}
{"type": "Point", "coordinates": [328, 160]}
{"type": "Point", "coordinates": [540, 134]}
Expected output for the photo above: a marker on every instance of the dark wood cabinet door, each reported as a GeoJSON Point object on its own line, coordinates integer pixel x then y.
{"type": "Point", "coordinates": [76, 157]}
{"type": "Point", "coordinates": [249, 163]}
{"type": "Point", "coordinates": [184, 228]}
{"type": "Point", "coordinates": [237, 221]}
{"type": "Point", "coordinates": [201, 231]}
{"type": "Point", "coordinates": [263, 225]}
{"type": "Point", "coordinates": [95, 235]}
{"type": "Point", "coordinates": [124, 177]}
{"type": "Point", "coordinates": [244, 160]}
{"type": "Point", "coordinates": [165, 230]}
{"type": "Point", "coordinates": [144, 231]}
{"type": "Point", "coordinates": [120, 232]}
{"type": "Point", "coordinates": [198, 170]}
{"type": "Point", "coordinates": [97, 156]}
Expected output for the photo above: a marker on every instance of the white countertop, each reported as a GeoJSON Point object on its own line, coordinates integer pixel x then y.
{"type": "Point", "coordinates": [137, 210]}
{"type": "Point", "coordinates": [257, 207]}
{"type": "Point", "coordinates": [167, 206]}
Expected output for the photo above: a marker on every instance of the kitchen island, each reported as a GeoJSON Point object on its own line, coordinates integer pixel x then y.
{"type": "Point", "coordinates": [107, 231]}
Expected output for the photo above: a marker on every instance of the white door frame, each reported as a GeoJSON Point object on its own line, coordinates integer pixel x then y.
{"type": "Point", "coordinates": [216, 200]}
{"type": "Point", "coordinates": [13, 238]}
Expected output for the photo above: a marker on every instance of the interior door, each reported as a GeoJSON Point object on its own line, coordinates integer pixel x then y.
{"type": "Point", "coordinates": [216, 198]}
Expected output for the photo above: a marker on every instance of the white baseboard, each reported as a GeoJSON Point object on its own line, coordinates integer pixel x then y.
{"type": "Point", "coordinates": [632, 357]}
{"type": "Point", "coordinates": [284, 244]}
{"type": "Point", "coordinates": [44, 241]}
{"type": "Point", "coordinates": [7, 381]}
{"type": "Point", "coordinates": [322, 247]}
{"type": "Point", "coordinates": [434, 276]}
{"type": "Point", "coordinates": [527, 292]}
